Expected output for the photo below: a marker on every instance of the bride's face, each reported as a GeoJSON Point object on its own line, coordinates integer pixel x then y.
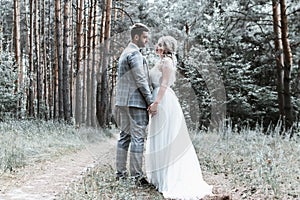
{"type": "Point", "coordinates": [159, 48]}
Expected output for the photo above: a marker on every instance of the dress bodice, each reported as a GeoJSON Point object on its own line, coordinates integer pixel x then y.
{"type": "Point", "coordinates": [156, 72]}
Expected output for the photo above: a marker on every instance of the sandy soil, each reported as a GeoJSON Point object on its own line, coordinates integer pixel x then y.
{"type": "Point", "coordinates": [46, 179]}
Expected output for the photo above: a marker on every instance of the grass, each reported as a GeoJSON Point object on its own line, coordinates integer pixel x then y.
{"type": "Point", "coordinates": [258, 166]}
{"type": "Point", "coordinates": [25, 142]}
{"type": "Point", "coordinates": [254, 166]}
{"type": "Point", "coordinates": [100, 183]}
{"type": "Point", "coordinates": [251, 165]}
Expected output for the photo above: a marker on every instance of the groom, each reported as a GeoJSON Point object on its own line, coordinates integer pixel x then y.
{"type": "Point", "coordinates": [133, 96]}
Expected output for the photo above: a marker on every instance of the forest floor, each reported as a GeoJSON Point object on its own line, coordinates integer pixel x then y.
{"type": "Point", "coordinates": [48, 160]}
{"type": "Point", "coordinates": [47, 179]}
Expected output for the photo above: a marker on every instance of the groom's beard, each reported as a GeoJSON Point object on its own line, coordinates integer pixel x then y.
{"type": "Point", "coordinates": [141, 44]}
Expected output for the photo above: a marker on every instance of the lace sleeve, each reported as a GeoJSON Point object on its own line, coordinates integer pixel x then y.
{"type": "Point", "coordinates": [168, 72]}
{"type": "Point", "coordinates": [166, 62]}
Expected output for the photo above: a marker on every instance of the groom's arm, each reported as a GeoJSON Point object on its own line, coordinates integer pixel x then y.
{"type": "Point", "coordinates": [135, 61]}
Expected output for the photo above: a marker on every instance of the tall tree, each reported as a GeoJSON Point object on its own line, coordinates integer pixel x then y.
{"type": "Point", "coordinates": [30, 94]}
{"type": "Point", "coordinates": [50, 73]}
{"type": "Point", "coordinates": [84, 70]}
{"type": "Point", "coordinates": [66, 63]}
{"type": "Point", "coordinates": [118, 14]}
{"type": "Point", "coordinates": [79, 63]}
{"type": "Point", "coordinates": [44, 63]}
{"type": "Point", "coordinates": [17, 47]}
{"type": "Point", "coordinates": [72, 46]}
{"type": "Point", "coordinates": [88, 66]}
{"type": "Point", "coordinates": [99, 113]}
{"type": "Point", "coordinates": [95, 58]}
{"type": "Point", "coordinates": [38, 68]}
{"type": "Point", "coordinates": [278, 56]}
{"type": "Point", "coordinates": [298, 80]}
{"type": "Point", "coordinates": [1, 36]}
{"type": "Point", "coordinates": [104, 101]}
{"type": "Point", "coordinates": [287, 65]}
{"type": "Point", "coordinates": [59, 63]}
{"type": "Point", "coordinates": [17, 42]}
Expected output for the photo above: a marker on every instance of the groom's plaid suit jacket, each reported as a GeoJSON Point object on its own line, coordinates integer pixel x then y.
{"type": "Point", "coordinates": [133, 85]}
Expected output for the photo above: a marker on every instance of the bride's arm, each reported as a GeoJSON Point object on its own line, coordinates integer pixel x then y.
{"type": "Point", "coordinates": [166, 73]}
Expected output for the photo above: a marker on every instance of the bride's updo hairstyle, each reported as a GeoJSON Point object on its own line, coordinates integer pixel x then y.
{"type": "Point", "coordinates": [169, 44]}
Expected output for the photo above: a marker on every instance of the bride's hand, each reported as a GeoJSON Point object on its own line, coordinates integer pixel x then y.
{"type": "Point", "coordinates": [152, 109]}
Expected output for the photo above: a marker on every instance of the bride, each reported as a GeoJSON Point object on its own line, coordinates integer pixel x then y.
{"type": "Point", "coordinates": [171, 162]}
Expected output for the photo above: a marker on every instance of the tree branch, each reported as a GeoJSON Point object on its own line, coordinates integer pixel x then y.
{"type": "Point", "coordinates": [126, 13]}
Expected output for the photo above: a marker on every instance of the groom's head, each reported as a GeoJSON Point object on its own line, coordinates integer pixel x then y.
{"type": "Point", "coordinates": [139, 34]}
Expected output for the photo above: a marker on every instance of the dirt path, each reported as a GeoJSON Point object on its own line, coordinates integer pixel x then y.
{"type": "Point", "coordinates": [46, 179]}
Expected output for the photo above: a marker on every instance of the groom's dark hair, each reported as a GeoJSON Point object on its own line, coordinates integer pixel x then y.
{"type": "Point", "coordinates": [138, 29]}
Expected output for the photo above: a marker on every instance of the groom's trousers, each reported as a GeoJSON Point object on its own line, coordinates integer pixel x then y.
{"type": "Point", "coordinates": [132, 123]}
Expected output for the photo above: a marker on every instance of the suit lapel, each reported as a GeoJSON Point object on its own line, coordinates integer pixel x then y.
{"type": "Point", "coordinates": [146, 69]}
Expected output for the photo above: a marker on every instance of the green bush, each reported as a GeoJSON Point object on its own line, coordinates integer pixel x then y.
{"type": "Point", "coordinates": [8, 97]}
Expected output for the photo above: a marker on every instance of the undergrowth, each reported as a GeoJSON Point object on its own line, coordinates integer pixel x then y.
{"type": "Point", "coordinates": [100, 183]}
{"type": "Point", "coordinates": [254, 165]}
{"type": "Point", "coordinates": [258, 166]}
{"type": "Point", "coordinates": [25, 142]}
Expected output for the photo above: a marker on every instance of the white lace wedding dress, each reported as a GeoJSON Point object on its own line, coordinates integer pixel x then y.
{"type": "Point", "coordinates": [170, 160]}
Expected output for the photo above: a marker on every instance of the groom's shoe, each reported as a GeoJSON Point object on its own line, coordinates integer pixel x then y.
{"type": "Point", "coordinates": [142, 182]}
{"type": "Point", "coordinates": [121, 178]}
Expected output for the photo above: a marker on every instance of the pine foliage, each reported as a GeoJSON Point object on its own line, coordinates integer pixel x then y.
{"type": "Point", "coordinates": [8, 98]}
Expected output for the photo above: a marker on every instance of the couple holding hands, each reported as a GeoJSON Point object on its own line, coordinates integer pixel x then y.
{"type": "Point", "coordinates": [144, 99]}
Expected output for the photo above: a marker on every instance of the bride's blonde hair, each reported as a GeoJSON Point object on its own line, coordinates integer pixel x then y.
{"type": "Point", "coordinates": [169, 44]}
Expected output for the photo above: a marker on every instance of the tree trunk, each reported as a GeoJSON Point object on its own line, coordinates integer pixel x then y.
{"type": "Point", "coordinates": [84, 70]}
{"type": "Point", "coordinates": [50, 73]}
{"type": "Point", "coordinates": [1, 37]}
{"type": "Point", "coordinates": [94, 66]}
{"type": "Point", "coordinates": [71, 42]}
{"type": "Point", "coordinates": [287, 66]}
{"type": "Point", "coordinates": [79, 84]}
{"type": "Point", "coordinates": [44, 62]}
{"type": "Point", "coordinates": [297, 89]}
{"type": "Point", "coordinates": [99, 73]}
{"type": "Point", "coordinates": [17, 41]}
{"type": "Point", "coordinates": [38, 67]}
{"type": "Point", "coordinates": [278, 57]}
{"type": "Point", "coordinates": [59, 64]}
{"type": "Point", "coordinates": [17, 44]}
{"type": "Point", "coordinates": [88, 67]}
{"type": "Point", "coordinates": [104, 77]}
{"type": "Point", "coordinates": [51, 62]}
{"type": "Point", "coordinates": [114, 70]}
{"type": "Point", "coordinates": [66, 63]}
{"type": "Point", "coordinates": [30, 98]}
